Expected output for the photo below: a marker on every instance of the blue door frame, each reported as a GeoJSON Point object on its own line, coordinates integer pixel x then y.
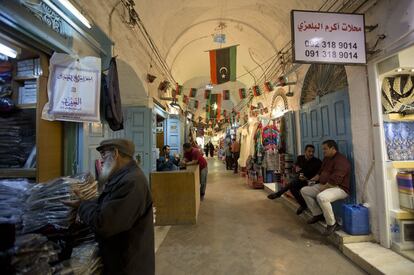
{"type": "Point", "coordinates": [329, 117]}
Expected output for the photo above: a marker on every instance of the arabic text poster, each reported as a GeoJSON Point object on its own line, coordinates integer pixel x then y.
{"type": "Point", "coordinates": [328, 37]}
{"type": "Point", "coordinates": [75, 90]}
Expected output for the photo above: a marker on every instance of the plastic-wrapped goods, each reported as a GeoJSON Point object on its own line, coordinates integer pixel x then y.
{"type": "Point", "coordinates": [17, 138]}
{"type": "Point", "coordinates": [45, 207]}
{"type": "Point", "coordinates": [32, 254]}
{"type": "Point", "coordinates": [13, 194]}
{"type": "Point", "coordinates": [399, 138]}
{"type": "Point", "coordinates": [84, 261]}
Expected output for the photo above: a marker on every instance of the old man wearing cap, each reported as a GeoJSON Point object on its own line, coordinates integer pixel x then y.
{"type": "Point", "coordinates": [122, 216]}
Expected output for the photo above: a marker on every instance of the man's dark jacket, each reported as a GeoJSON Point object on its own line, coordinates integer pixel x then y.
{"type": "Point", "coordinates": [123, 223]}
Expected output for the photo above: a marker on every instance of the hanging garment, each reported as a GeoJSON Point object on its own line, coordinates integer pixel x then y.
{"type": "Point", "coordinates": [112, 98]}
{"type": "Point", "coordinates": [271, 160]}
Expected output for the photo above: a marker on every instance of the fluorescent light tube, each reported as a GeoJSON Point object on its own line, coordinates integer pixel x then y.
{"type": "Point", "coordinates": [76, 12]}
{"type": "Point", "coordinates": [8, 51]}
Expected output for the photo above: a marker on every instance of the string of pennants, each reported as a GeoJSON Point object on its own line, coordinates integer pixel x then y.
{"type": "Point", "coordinates": [225, 95]}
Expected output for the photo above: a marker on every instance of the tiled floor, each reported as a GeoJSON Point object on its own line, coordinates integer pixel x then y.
{"type": "Point", "coordinates": [241, 232]}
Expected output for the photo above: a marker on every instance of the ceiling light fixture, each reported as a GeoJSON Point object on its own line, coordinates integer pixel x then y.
{"type": "Point", "coordinates": [76, 12]}
{"type": "Point", "coordinates": [6, 50]}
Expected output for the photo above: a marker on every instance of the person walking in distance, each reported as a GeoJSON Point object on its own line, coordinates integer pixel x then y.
{"type": "Point", "coordinates": [235, 148]}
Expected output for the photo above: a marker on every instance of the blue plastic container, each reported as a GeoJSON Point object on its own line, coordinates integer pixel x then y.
{"type": "Point", "coordinates": [270, 176]}
{"type": "Point", "coordinates": [355, 219]}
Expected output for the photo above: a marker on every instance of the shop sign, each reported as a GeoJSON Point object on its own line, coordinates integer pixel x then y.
{"type": "Point", "coordinates": [323, 37]}
{"type": "Point", "coordinates": [73, 89]}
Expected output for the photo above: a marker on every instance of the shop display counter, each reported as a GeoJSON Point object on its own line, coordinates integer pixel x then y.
{"type": "Point", "coordinates": [176, 196]}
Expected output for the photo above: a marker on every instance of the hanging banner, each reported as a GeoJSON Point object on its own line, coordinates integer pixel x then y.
{"type": "Point", "coordinates": [226, 95]}
{"type": "Point", "coordinates": [324, 37]}
{"type": "Point", "coordinates": [193, 92]}
{"type": "Point", "coordinates": [74, 87]}
{"type": "Point", "coordinates": [207, 94]}
{"type": "Point", "coordinates": [242, 93]}
{"type": "Point", "coordinates": [179, 89]}
{"type": "Point", "coordinates": [223, 65]}
{"type": "Point", "coordinates": [256, 91]}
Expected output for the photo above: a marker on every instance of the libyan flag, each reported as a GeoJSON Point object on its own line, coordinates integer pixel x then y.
{"type": "Point", "coordinates": [223, 65]}
{"type": "Point", "coordinates": [211, 112]}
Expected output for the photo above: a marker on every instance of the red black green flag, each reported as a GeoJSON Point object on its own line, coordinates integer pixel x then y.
{"type": "Point", "coordinates": [268, 86]}
{"type": "Point", "coordinates": [179, 89]}
{"type": "Point", "coordinates": [256, 91]}
{"type": "Point", "coordinates": [207, 94]}
{"type": "Point", "coordinates": [223, 65]}
{"type": "Point", "coordinates": [193, 92]}
{"type": "Point", "coordinates": [242, 93]}
{"type": "Point", "coordinates": [226, 95]}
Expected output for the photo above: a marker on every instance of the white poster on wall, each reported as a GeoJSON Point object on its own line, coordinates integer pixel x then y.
{"type": "Point", "coordinates": [322, 37]}
{"type": "Point", "coordinates": [73, 88]}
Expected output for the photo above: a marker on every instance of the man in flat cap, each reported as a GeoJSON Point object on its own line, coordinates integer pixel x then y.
{"type": "Point", "coordinates": [122, 216]}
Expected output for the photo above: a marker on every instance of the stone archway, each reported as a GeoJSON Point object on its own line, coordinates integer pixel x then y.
{"type": "Point", "coordinates": [279, 101]}
{"type": "Point", "coordinates": [322, 79]}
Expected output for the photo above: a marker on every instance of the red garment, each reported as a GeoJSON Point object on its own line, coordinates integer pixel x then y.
{"type": "Point", "coordinates": [336, 171]}
{"type": "Point", "coordinates": [195, 154]}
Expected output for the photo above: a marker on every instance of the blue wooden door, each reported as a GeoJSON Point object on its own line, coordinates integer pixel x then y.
{"type": "Point", "coordinates": [172, 137]}
{"type": "Point", "coordinates": [328, 117]}
{"type": "Point", "coordinates": [289, 119]}
{"type": "Point", "coordinates": [139, 130]}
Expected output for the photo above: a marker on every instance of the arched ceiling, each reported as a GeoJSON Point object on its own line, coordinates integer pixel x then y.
{"type": "Point", "coordinates": [183, 29]}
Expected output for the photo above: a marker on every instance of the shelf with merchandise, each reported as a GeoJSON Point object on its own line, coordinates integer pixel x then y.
{"type": "Point", "coordinates": [405, 164]}
{"type": "Point", "coordinates": [396, 117]}
{"type": "Point", "coordinates": [17, 172]}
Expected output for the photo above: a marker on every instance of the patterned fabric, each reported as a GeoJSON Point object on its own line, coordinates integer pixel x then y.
{"type": "Point", "coordinates": [271, 160]}
{"type": "Point", "coordinates": [399, 138]}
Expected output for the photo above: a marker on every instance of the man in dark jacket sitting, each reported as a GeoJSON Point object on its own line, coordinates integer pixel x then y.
{"type": "Point", "coordinates": [166, 162]}
{"type": "Point", "coordinates": [307, 166]}
{"type": "Point", "coordinates": [121, 217]}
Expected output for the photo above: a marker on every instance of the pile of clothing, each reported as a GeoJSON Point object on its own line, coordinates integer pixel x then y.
{"type": "Point", "coordinates": [85, 260]}
{"type": "Point", "coordinates": [13, 194]}
{"type": "Point", "coordinates": [45, 207]}
{"type": "Point", "coordinates": [6, 103]}
{"type": "Point", "coordinates": [32, 254]}
{"type": "Point", "coordinates": [17, 139]}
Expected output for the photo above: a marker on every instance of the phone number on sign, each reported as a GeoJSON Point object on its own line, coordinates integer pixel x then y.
{"type": "Point", "coordinates": [331, 54]}
{"type": "Point", "coordinates": [331, 45]}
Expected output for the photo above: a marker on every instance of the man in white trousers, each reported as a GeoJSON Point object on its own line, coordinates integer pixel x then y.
{"type": "Point", "coordinates": [332, 185]}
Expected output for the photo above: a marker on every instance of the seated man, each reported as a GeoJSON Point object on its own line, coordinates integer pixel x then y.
{"type": "Point", "coordinates": [307, 166]}
{"type": "Point", "coordinates": [166, 162]}
{"type": "Point", "coordinates": [333, 178]}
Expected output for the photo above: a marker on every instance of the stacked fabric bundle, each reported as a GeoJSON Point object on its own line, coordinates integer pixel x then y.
{"type": "Point", "coordinates": [13, 194]}
{"type": "Point", "coordinates": [17, 138]}
{"type": "Point", "coordinates": [32, 254]}
{"type": "Point", "coordinates": [44, 205]}
{"type": "Point", "coordinates": [84, 261]}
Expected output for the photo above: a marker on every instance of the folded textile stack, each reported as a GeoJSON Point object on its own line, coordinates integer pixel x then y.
{"type": "Point", "coordinates": [84, 261]}
{"type": "Point", "coordinates": [17, 138]}
{"type": "Point", "coordinates": [13, 194]}
{"type": "Point", "coordinates": [32, 254]}
{"type": "Point", "coordinates": [45, 207]}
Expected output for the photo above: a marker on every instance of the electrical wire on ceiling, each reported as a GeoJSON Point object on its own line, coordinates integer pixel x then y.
{"type": "Point", "coordinates": [135, 21]}
{"type": "Point", "coordinates": [275, 67]}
